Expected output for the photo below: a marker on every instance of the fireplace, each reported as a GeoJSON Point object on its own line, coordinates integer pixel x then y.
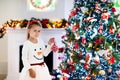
{"type": "Point", "coordinates": [16, 38]}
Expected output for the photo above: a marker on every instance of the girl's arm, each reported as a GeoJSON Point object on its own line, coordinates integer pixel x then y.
{"type": "Point", "coordinates": [25, 56]}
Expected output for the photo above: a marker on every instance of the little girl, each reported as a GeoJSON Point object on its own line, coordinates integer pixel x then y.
{"type": "Point", "coordinates": [33, 53]}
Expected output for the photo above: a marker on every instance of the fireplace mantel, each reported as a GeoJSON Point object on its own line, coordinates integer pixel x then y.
{"type": "Point", "coordinates": [16, 37]}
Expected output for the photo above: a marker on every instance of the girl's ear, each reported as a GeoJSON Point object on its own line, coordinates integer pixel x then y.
{"type": "Point", "coordinates": [28, 35]}
{"type": "Point", "coordinates": [28, 31]}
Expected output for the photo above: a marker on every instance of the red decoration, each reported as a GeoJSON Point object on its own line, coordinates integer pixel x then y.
{"type": "Point", "coordinates": [75, 27]}
{"type": "Point", "coordinates": [97, 9]}
{"type": "Point", "coordinates": [76, 45]}
{"type": "Point", "coordinates": [44, 22]}
{"type": "Point", "coordinates": [111, 60]}
{"type": "Point", "coordinates": [88, 77]}
{"type": "Point", "coordinates": [83, 40]}
{"type": "Point", "coordinates": [99, 40]}
{"type": "Point", "coordinates": [113, 9]}
{"type": "Point", "coordinates": [100, 29]}
{"type": "Point", "coordinates": [86, 66]}
{"type": "Point", "coordinates": [80, 54]}
{"type": "Point", "coordinates": [60, 50]}
{"type": "Point", "coordinates": [78, 9]}
{"type": "Point", "coordinates": [111, 30]}
{"type": "Point", "coordinates": [96, 61]}
{"type": "Point", "coordinates": [65, 78]}
{"type": "Point", "coordinates": [73, 13]}
{"type": "Point", "coordinates": [72, 67]}
{"type": "Point", "coordinates": [105, 16]}
{"type": "Point", "coordinates": [59, 58]}
{"type": "Point", "coordinates": [65, 71]}
{"type": "Point", "coordinates": [118, 35]}
{"type": "Point", "coordinates": [87, 57]}
{"type": "Point", "coordinates": [63, 37]}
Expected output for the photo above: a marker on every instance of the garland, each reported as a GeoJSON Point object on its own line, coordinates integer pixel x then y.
{"type": "Point", "coordinates": [46, 23]}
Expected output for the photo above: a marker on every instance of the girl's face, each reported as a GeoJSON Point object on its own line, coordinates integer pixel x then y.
{"type": "Point", "coordinates": [34, 32]}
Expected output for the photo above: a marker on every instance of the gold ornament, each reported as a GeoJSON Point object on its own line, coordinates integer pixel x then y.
{"type": "Point", "coordinates": [94, 74]}
{"type": "Point", "coordinates": [102, 72]}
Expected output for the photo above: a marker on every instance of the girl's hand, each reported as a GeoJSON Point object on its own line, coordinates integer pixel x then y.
{"type": "Point", "coordinates": [32, 73]}
{"type": "Point", "coordinates": [51, 40]}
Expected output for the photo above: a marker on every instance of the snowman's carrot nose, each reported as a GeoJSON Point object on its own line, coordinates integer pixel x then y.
{"type": "Point", "coordinates": [39, 53]}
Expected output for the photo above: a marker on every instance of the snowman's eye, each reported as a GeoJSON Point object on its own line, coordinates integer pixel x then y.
{"type": "Point", "coordinates": [34, 49]}
{"type": "Point", "coordinates": [40, 48]}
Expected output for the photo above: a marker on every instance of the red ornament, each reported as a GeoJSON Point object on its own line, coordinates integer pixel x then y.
{"type": "Point", "coordinates": [96, 62]}
{"type": "Point", "coordinates": [99, 40]}
{"type": "Point", "coordinates": [65, 78]}
{"type": "Point", "coordinates": [76, 46]}
{"type": "Point", "coordinates": [100, 29]}
{"type": "Point", "coordinates": [63, 37]}
{"type": "Point", "coordinates": [65, 71]}
{"type": "Point", "coordinates": [80, 54]}
{"type": "Point", "coordinates": [111, 30]}
{"type": "Point", "coordinates": [72, 67]}
{"type": "Point", "coordinates": [118, 35]}
{"type": "Point", "coordinates": [96, 59]}
{"type": "Point", "coordinates": [60, 50]}
{"type": "Point", "coordinates": [44, 22]}
{"type": "Point", "coordinates": [78, 9]}
{"type": "Point", "coordinates": [86, 66]}
{"type": "Point", "coordinates": [105, 16]}
{"type": "Point", "coordinates": [73, 13]}
{"type": "Point", "coordinates": [113, 9]}
{"type": "Point", "coordinates": [54, 48]}
{"type": "Point", "coordinates": [88, 77]}
{"type": "Point", "coordinates": [97, 9]}
{"type": "Point", "coordinates": [59, 58]}
{"type": "Point", "coordinates": [87, 57]}
{"type": "Point", "coordinates": [83, 40]}
{"type": "Point", "coordinates": [111, 60]}
{"type": "Point", "coordinates": [75, 27]}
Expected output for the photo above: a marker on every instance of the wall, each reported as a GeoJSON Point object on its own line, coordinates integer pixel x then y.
{"type": "Point", "coordinates": [17, 9]}
{"type": "Point", "coordinates": [3, 55]}
{"type": "Point", "coordinates": [68, 6]}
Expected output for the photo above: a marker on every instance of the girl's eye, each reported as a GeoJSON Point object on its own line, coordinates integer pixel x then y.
{"type": "Point", "coordinates": [35, 30]}
{"type": "Point", "coordinates": [39, 31]}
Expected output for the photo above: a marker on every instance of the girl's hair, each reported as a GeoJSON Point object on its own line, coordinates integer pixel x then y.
{"type": "Point", "coordinates": [31, 24]}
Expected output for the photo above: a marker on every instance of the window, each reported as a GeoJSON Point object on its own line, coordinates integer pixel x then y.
{"type": "Point", "coordinates": [42, 5]}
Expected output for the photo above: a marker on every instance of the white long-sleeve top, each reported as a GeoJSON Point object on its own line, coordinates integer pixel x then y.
{"type": "Point", "coordinates": [34, 53]}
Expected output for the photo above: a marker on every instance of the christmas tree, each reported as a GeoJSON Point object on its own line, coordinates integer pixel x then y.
{"type": "Point", "coordinates": [92, 42]}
